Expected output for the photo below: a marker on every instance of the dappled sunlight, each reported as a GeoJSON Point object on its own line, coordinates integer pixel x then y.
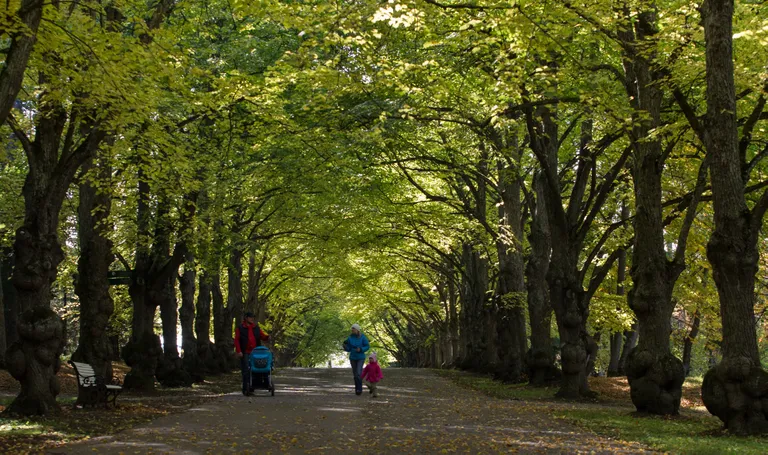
{"type": "Point", "coordinates": [340, 409]}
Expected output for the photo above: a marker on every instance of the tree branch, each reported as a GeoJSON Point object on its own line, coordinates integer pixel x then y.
{"type": "Point", "coordinates": [26, 144]}
{"type": "Point", "coordinates": [690, 214]}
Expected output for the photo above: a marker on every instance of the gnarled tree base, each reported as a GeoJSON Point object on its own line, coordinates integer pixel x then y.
{"type": "Point", "coordinates": [34, 361]}
{"type": "Point", "coordinates": [194, 366]}
{"type": "Point", "coordinates": [171, 373]}
{"type": "Point", "coordinates": [736, 392]}
{"type": "Point", "coordinates": [206, 351]}
{"type": "Point", "coordinates": [509, 374]}
{"type": "Point", "coordinates": [573, 383]}
{"type": "Point", "coordinates": [142, 356]}
{"type": "Point", "coordinates": [541, 369]}
{"type": "Point", "coordinates": [655, 382]}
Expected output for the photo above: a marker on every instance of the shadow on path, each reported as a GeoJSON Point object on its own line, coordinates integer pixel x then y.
{"type": "Point", "coordinates": [316, 411]}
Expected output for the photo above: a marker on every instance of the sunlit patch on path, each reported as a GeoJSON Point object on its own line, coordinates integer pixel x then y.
{"type": "Point", "coordinates": [316, 411]}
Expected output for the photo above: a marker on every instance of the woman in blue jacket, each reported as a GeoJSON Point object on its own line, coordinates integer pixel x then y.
{"type": "Point", "coordinates": [356, 344]}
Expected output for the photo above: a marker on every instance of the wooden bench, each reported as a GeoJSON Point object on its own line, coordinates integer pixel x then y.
{"type": "Point", "coordinates": [93, 389]}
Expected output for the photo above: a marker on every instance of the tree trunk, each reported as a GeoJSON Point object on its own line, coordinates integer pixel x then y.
{"type": "Point", "coordinates": [234, 295]}
{"type": "Point", "coordinates": [735, 390]}
{"type": "Point", "coordinates": [191, 360]}
{"type": "Point", "coordinates": [206, 350]}
{"type": "Point", "coordinates": [10, 302]}
{"type": "Point", "coordinates": [30, 14]}
{"type": "Point", "coordinates": [3, 345]}
{"type": "Point", "coordinates": [481, 354]}
{"type": "Point", "coordinates": [33, 359]}
{"type": "Point", "coordinates": [621, 273]}
{"type": "Point", "coordinates": [91, 286]}
{"type": "Point", "coordinates": [688, 344]}
{"type": "Point", "coordinates": [170, 371]}
{"type": "Point", "coordinates": [655, 375]}
{"type": "Point", "coordinates": [453, 321]}
{"type": "Point", "coordinates": [615, 355]}
{"type": "Point", "coordinates": [252, 298]}
{"type": "Point", "coordinates": [222, 327]}
{"type": "Point", "coordinates": [593, 347]}
{"type": "Point", "coordinates": [566, 296]}
{"type": "Point", "coordinates": [540, 359]}
{"type": "Point", "coordinates": [143, 350]}
{"type": "Point", "coordinates": [512, 337]}
{"type": "Point", "coordinates": [629, 343]}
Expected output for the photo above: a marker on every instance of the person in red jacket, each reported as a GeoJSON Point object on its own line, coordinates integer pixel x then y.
{"type": "Point", "coordinates": [247, 336]}
{"type": "Point", "coordinates": [372, 374]}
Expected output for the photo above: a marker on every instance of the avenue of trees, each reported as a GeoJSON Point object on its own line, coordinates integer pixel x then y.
{"type": "Point", "coordinates": [540, 190]}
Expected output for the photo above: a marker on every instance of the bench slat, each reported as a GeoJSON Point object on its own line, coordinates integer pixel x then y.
{"type": "Point", "coordinates": [84, 369]}
{"type": "Point", "coordinates": [114, 387]}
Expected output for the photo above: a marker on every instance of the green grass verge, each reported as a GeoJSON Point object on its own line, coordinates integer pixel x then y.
{"type": "Point", "coordinates": [498, 389]}
{"type": "Point", "coordinates": [687, 435]}
{"type": "Point", "coordinates": [691, 434]}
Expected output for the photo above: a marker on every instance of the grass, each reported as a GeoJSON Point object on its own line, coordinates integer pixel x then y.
{"type": "Point", "coordinates": [689, 435]}
{"type": "Point", "coordinates": [692, 433]}
{"type": "Point", "coordinates": [498, 389]}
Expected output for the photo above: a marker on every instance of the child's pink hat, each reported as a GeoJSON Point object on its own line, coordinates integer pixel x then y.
{"type": "Point", "coordinates": [372, 356]}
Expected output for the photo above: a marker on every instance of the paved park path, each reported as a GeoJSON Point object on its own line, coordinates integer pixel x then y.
{"type": "Point", "coordinates": [316, 411]}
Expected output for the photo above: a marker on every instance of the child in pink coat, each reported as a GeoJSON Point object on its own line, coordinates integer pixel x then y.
{"type": "Point", "coordinates": [372, 374]}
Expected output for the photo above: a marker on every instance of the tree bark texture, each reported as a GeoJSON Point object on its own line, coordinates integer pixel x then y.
{"type": "Point", "coordinates": [143, 350]}
{"type": "Point", "coordinates": [736, 390]}
{"type": "Point", "coordinates": [629, 342]}
{"type": "Point", "coordinates": [615, 354]}
{"type": "Point", "coordinates": [11, 305]}
{"type": "Point", "coordinates": [688, 343]}
{"type": "Point", "coordinates": [91, 286]}
{"type": "Point", "coordinates": [3, 345]}
{"type": "Point", "coordinates": [206, 350]}
{"type": "Point", "coordinates": [565, 288]}
{"type": "Point", "coordinates": [222, 327]}
{"type": "Point", "coordinates": [621, 274]}
{"type": "Point", "coordinates": [655, 375]}
{"type": "Point", "coordinates": [512, 337]}
{"type": "Point", "coordinates": [540, 359]}
{"type": "Point", "coordinates": [22, 43]}
{"type": "Point", "coordinates": [170, 370]}
{"type": "Point", "coordinates": [34, 358]}
{"type": "Point", "coordinates": [477, 315]}
{"type": "Point", "coordinates": [191, 360]}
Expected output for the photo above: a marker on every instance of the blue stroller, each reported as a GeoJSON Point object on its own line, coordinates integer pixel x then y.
{"type": "Point", "coordinates": [261, 366]}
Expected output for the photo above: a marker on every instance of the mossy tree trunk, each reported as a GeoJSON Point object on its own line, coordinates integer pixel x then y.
{"type": "Point", "coordinates": [512, 337]}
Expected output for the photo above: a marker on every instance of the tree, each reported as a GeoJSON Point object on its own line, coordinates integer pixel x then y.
{"type": "Point", "coordinates": [96, 305]}
{"type": "Point", "coordinates": [733, 389]}
{"type": "Point", "coordinates": [22, 29]}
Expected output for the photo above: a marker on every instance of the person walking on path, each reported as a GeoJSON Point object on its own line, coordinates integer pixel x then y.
{"type": "Point", "coordinates": [247, 336]}
{"type": "Point", "coordinates": [357, 344]}
{"type": "Point", "coordinates": [372, 374]}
